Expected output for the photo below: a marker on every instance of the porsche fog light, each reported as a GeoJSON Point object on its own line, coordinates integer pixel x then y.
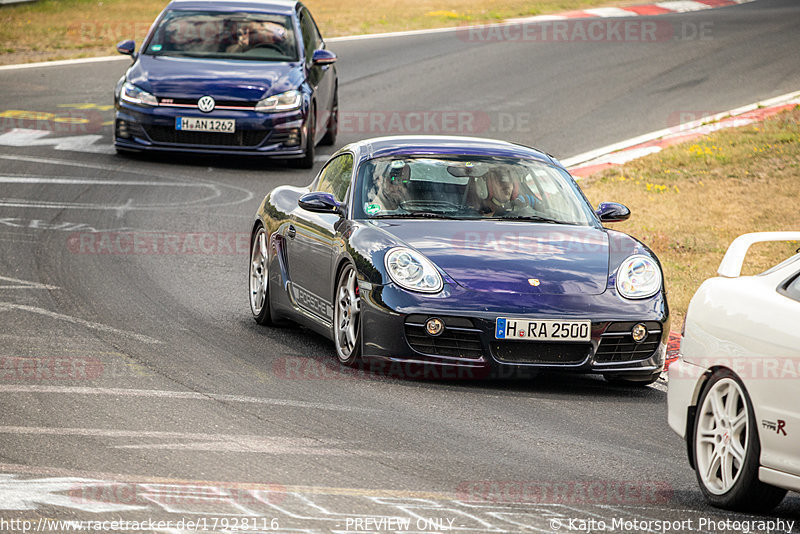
{"type": "Point", "coordinates": [639, 332]}
{"type": "Point", "coordinates": [434, 326]}
{"type": "Point", "coordinates": [638, 277]}
{"type": "Point", "coordinates": [413, 271]}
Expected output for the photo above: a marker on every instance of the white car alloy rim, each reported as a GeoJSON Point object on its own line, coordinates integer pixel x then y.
{"type": "Point", "coordinates": [348, 309]}
{"type": "Point", "coordinates": [722, 436]}
{"type": "Point", "coordinates": [258, 272]}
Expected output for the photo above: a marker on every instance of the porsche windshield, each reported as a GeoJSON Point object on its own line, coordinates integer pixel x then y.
{"type": "Point", "coordinates": [208, 34]}
{"type": "Point", "coordinates": [469, 187]}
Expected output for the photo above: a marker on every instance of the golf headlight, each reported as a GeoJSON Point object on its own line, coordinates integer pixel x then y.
{"type": "Point", "coordinates": [283, 102]}
{"type": "Point", "coordinates": [638, 277]}
{"type": "Point", "coordinates": [138, 96]}
{"type": "Point", "coordinates": [413, 271]}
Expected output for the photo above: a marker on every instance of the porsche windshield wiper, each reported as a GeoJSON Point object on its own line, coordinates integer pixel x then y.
{"type": "Point", "coordinates": [415, 215]}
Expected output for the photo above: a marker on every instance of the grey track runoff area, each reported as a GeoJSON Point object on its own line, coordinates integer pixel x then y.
{"type": "Point", "coordinates": [136, 385]}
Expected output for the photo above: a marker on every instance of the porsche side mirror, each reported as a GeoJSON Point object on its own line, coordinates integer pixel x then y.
{"type": "Point", "coordinates": [319, 202]}
{"type": "Point", "coordinates": [323, 57]}
{"type": "Point", "coordinates": [612, 212]}
{"type": "Point", "coordinates": [126, 47]}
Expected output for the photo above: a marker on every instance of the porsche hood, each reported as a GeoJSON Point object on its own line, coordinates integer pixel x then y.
{"type": "Point", "coordinates": [513, 257]}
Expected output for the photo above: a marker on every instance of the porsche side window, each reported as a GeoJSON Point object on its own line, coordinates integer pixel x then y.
{"type": "Point", "coordinates": [336, 176]}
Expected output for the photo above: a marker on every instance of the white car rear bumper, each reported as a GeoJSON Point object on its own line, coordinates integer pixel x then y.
{"type": "Point", "coordinates": [682, 392]}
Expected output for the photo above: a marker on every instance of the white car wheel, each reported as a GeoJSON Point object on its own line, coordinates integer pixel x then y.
{"type": "Point", "coordinates": [727, 450]}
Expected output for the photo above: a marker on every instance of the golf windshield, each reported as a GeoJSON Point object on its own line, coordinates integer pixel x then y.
{"type": "Point", "coordinates": [469, 187]}
{"type": "Point", "coordinates": [209, 34]}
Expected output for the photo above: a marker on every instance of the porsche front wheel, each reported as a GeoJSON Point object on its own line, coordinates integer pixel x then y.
{"type": "Point", "coordinates": [259, 277]}
{"type": "Point", "coordinates": [347, 318]}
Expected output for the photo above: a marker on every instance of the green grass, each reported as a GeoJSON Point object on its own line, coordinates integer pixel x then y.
{"type": "Point", "coordinates": [59, 29]}
{"type": "Point", "coordinates": [691, 200]}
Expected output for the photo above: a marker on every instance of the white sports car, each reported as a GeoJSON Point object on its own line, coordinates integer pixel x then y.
{"type": "Point", "coordinates": [734, 393]}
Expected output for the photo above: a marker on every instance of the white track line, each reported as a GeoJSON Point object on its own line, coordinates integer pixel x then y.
{"type": "Point", "coordinates": [194, 441]}
{"type": "Point", "coordinates": [608, 12]}
{"type": "Point", "coordinates": [114, 433]}
{"type": "Point", "coordinates": [82, 181]}
{"type": "Point", "coordinates": [5, 306]}
{"type": "Point", "coordinates": [63, 62]}
{"type": "Point", "coordinates": [677, 6]}
{"type": "Point", "coordinates": [683, 6]}
{"type": "Point", "coordinates": [24, 284]}
{"type": "Point", "coordinates": [574, 161]}
{"type": "Point", "coordinates": [179, 395]}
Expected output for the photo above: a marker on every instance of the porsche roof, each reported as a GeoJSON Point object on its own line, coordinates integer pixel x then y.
{"type": "Point", "coordinates": [443, 144]}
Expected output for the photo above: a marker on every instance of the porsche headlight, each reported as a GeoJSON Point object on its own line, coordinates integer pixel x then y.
{"type": "Point", "coordinates": [283, 102]}
{"type": "Point", "coordinates": [638, 277]}
{"type": "Point", "coordinates": [136, 95]}
{"type": "Point", "coordinates": [413, 271]}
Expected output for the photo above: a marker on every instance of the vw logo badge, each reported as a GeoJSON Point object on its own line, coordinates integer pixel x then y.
{"type": "Point", "coordinates": [206, 104]}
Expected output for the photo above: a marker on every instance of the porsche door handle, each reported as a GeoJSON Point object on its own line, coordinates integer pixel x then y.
{"type": "Point", "coordinates": [291, 232]}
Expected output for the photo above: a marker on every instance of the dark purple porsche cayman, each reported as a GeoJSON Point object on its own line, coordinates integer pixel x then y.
{"type": "Point", "coordinates": [454, 251]}
{"type": "Point", "coordinates": [236, 77]}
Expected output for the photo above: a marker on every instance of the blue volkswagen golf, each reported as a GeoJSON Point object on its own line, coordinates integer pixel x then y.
{"type": "Point", "coordinates": [229, 77]}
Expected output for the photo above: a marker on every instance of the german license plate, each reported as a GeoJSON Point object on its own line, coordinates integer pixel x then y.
{"type": "Point", "coordinates": [194, 124]}
{"type": "Point", "coordinates": [542, 329]}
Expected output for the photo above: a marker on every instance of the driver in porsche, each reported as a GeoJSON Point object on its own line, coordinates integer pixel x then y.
{"type": "Point", "coordinates": [391, 188]}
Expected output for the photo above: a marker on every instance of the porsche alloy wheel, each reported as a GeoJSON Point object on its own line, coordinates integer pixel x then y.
{"type": "Point", "coordinates": [259, 277]}
{"type": "Point", "coordinates": [347, 318]}
{"type": "Point", "coordinates": [727, 448]}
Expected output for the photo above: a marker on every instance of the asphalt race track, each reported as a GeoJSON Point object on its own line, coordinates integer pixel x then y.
{"type": "Point", "coordinates": [135, 384]}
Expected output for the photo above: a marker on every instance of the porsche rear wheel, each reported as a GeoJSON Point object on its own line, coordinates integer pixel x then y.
{"type": "Point", "coordinates": [347, 318]}
{"type": "Point", "coordinates": [727, 450]}
{"type": "Point", "coordinates": [259, 277]}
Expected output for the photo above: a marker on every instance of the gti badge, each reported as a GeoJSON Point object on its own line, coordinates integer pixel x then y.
{"type": "Point", "coordinates": [534, 282]}
{"type": "Point", "coordinates": [206, 104]}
